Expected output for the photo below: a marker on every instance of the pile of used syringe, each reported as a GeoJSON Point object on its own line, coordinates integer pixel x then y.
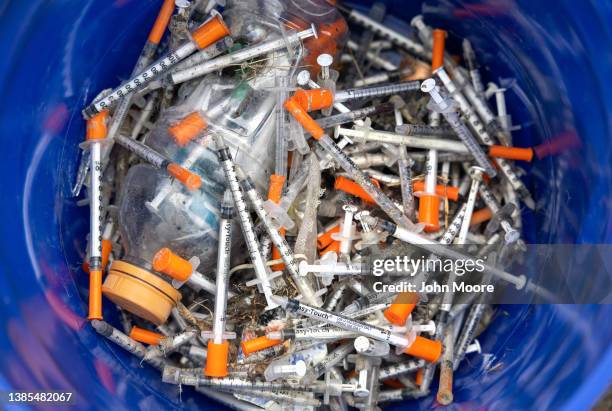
{"type": "Point", "coordinates": [244, 177]}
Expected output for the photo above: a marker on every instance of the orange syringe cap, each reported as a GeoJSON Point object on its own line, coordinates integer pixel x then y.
{"type": "Point", "coordinates": [299, 113]}
{"type": "Point", "coordinates": [145, 336]}
{"type": "Point", "coordinates": [165, 261]}
{"type": "Point", "coordinates": [209, 32]}
{"type": "Point", "coordinates": [107, 248]}
{"type": "Point", "coordinates": [401, 308]}
{"type": "Point", "coordinates": [161, 22]}
{"type": "Point", "coordinates": [216, 359]}
{"type": "Point", "coordinates": [450, 192]}
{"type": "Point", "coordinates": [511, 153]}
{"type": "Point", "coordinates": [190, 180]}
{"type": "Point", "coordinates": [349, 186]}
{"type": "Point", "coordinates": [95, 295]}
{"type": "Point", "coordinates": [96, 126]}
{"type": "Point", "coordinates": [325, 239]}
{"type": "Point", "coordinates": [429, 350]}
{"type": "Point", "coordinates": [275, 190]}
{"type": "Point", "coordinates": [429, 212]}
{"type": "Point", "coordinates": [437, 52]}
{"type": "Point", "coordinates": [314, 99]}
{"type": "Point", "coordinates": [334, 246]}
{"type": "Point", "coordinates": [187, 128]}
{"type": "Point", "coordinates": [258, 344]}
{"type": "Point", "coordinates": [480, 216]}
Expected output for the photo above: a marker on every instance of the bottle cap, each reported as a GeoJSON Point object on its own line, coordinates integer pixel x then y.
{"type": "Point", "coordinates": [187, 128]}
{"type": "Point", "coordinates": [258, 344]}
{"type": "Point", "coordinates": [165, 261]}
{"type": "Point", "coordinates": [190, 180]}
{"type": "Point", "coordinates": [209, 32]}
{"type": "Point", "coordinates": [216, 359]}
{"type": "Point", "coordinates": [429, 212]}
{"type": "Point", "coordinates": [140, 292]}
{"type": "Point", "coordinates": [145, 336]}
{"type": "Point", "coordinates": [429, 350]}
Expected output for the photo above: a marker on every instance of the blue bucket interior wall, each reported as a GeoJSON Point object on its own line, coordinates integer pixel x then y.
{"type": "Point", "coordinates": [58, 55]}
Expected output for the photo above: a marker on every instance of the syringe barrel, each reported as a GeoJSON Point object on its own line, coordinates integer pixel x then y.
{"type": "Point", "coordinates": [223, 265]}
{"type": "Point", "coordinates": [148, 154]}
{"type": "Point", "coordinates": [376, 91]}
{"type": "Point", "coordinates": [95, 224]}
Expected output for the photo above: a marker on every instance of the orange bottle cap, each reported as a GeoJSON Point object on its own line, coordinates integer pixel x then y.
{"type": "Point", "coordinates": [216, 359]}
{"type": "Point", "coordinates": [429, 350]}
{"type": "Point", "coordinates": [429, 212]}
{"type": "Point", "coordinates": [145, 336]}
{"type": "Point", "coordinates": [161, 22]}
{"type": "Point", "coordinates": [352, 188]}
{"type": "Point", "coordinates": [480, 216]}
{"type": "Point", "coordinates": [334, 246]}
{"type": "Point", "coordinates": [96, 126]}
{"type": "Point", "coordinates": [450, 192]}
{"type": "Point", "coordinates": [211, 31]}
{"type": "Point", "coordinates": [190, 180]}
{"type": "Point", "coordinates": [437, 52]}
{"type": "Point", "coordinates": [401, 308]}
{"type": "Point", "coordinates": [325, 239]}
{"type": "Point", "coordinates": [95, 295]}
{"type": "Point", "coordinates": [302, 117]}
{"type": "Point", "coordinates": [276, 187]}
{"type": "Point", "coordinates": [511, 153]}
{"type": "Point", "coordinates": [165, 261]}
{"type": "Point", "coordinates": [315, 99]}
{"type": "Point", "coordinates": [258, 344]}
{"type": "Point", "coordinates": [187, 128]}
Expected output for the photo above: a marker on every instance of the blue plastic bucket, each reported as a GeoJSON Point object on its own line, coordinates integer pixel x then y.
{"type": "Point", "coordinates": [555, 58]}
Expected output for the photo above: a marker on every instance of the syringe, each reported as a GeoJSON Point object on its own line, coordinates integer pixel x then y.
{"type": "Point", "coordinates": [218, 347]}
{"type": "Point", "coordinates": [306, 334]}
{"type": "Point", "coordinates": [480, 130]}
{"type": "Point", "coordinates": [444, 106]}
{"type": "Point", "coordinates": [241, 55]}
{"type": "Point", "coordinates": [181, 270]}
{"type": "Point", "coordinates": [190, 180]}
{"type": "Point", "coordinates": [385, 203]}
{"type": "Point", "coordinates": [374, 58]}
{"type": "Point", "coordinates": [404, 163]}
{"type": "Point", "coordinates": [261, 269]}
{"type": "Point", "coordinates": [470, 59]}
{"type": "Point", "coordinates": [304, 287]}
{"type": "Point", "coordinates": [208, 33]}
{"type": "Point", "coordinates": [410, 344]}
{"type": "Point", "coordinates": [95, 137]}
{"type": "Point", "coordinates": [145, 57]}
{"type": "Point", "coordinates": [353, 115]}
{"type": "Point", "coordinates": [385, 32]}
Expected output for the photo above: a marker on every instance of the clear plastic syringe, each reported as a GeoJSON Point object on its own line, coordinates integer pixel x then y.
{"type": "Point", "coordinates": [353, 115]}
{"type": "Point", "coordinates": [385, 32]}
{"type": "Point", "coordinates": [202, 37]}
{"type": "Point", "coordinates": [384, 202]}
{"type": "Point", "coordinates": [96, 136]}
{"type": "Point", "coordinates": [261, 269]}
{"type": "Point", "coordinates": [410, 343]}
{"type": "Point", "coordinates": [218, 347]}
{"type": "Point", "coordinates": [359, 93]}
{"type": "Point", "coordinates": [301, 334]}
{"type": "Point", "coordinates": [304, 287]}
{"type": "Point", "coordinates": [190, 180]}
{"type": "Point", "coordinates": [241, 56]}
{"type": "Point", "coordinates": [404, 163]}
{"type": "Point", "coordinates": [444, 106]}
